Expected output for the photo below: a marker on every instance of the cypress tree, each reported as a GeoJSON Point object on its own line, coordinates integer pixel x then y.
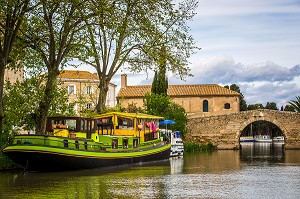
{"type": "Point", "coordinates": [160, 80]}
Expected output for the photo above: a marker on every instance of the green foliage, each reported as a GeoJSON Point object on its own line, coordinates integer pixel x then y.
{"type": "Point", "coordinates": [132, 108]}
{"type": "Point", "coordinates": [289, 108]}
{"type": "Point", "coordinates": [159, 104]}
{"type": "Point", "coordinates": [255, 106]}
{"type": "Point", "coordinates": [142, 34]}
{"type": "Point", "coordinates": [243, 104]}
{"type": "Point", "coordinates": [177, 113]}
{"type": "Point", "coordinates": [271, 106]}
{"type": "Point", "coordinates": [160, 83]}
{"type": "Point", "coordinates": [12, 14]}
{"type": "Point", "coordinates": [156, 104]}
{"type": "Point", "coordinates": [295, 104]}
{"type": "Point", "coordinates": [191, 147]}
{"type": "Point", "coordinates": [21, 102]}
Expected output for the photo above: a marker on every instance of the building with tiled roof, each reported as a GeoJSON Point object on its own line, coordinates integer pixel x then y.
{"type": "Point", "coordinates": [83, 89]}
{"type": "Point", "coordinates": [200, 99]}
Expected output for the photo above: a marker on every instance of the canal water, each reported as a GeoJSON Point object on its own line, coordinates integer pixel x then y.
{"type": "Point", "coordinates": [258, 170]}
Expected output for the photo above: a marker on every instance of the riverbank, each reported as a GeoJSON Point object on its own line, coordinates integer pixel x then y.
{"type": "Point", "coordinates": [192, 147]}
{"type": "Point", "coordinates": [6, 163]}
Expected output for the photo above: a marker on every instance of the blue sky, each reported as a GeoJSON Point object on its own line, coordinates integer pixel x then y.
{"type": "Point", "coordinates": [252, 43]}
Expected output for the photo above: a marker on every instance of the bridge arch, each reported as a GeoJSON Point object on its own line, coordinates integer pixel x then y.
{"type": "Point", "coordinates": [262, 117]}
{"type": "Point", "coordinates": [224, 131]}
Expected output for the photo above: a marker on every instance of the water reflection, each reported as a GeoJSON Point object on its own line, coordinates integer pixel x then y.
{"type": "Point", "coordinates": [256, 171]}
{"type": "Point", "coordinates": [215, 161]}
{"type": "Point", "coordinates": [262, 152]}
{"type": "Point", "coordinates": [115, 182]}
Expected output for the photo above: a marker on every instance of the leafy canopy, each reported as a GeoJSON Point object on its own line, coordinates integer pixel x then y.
{"type": "Point", "coordinates": [295, 104]}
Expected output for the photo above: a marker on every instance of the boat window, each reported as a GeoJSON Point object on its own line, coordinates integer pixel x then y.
{"type": "Point", "coordinates": [125, 143]}
{"type": "Point", "coordinates": [71, 124]}
{"type": "Point", "coordinates": [93, 125]}
{"type": "Point", "coordinates": [114, 144]}
{"type": "Point", "coordinates": [125, 123]}
{"type": "Point", "coordinates": [58, 124]}
{"type": "Point", "coordinates": [83, 125]}
{"type": "Point", "coordinates": [135, 143]}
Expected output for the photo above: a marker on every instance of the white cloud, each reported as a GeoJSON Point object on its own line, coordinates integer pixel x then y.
{"type": "Point", "coordinates": [223, 69]}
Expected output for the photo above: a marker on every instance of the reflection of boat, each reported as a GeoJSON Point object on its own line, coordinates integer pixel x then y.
{"type": "Point", "coordinates": [177, 147]}
{"type": "Point", "coordinates": [247, 139]}
{"type": "Point", "coordinates": [82, 143]}
{"type": "Point", "coordinates": [278, 139]}
{"type": "Point", "coordinates": [262, 138]}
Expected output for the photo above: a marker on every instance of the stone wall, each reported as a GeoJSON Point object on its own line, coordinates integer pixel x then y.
{"type": "Point", "coordinates": [224, 131]}
{"type": "Point", "coordinates": [194, 105]}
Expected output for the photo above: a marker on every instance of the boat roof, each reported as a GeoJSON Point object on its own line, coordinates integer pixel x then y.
{"type": "Point", "coordinates": [129, 115]}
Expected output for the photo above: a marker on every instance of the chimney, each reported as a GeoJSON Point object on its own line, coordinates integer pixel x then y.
{"type": "Point", "coordinates": [123, 81]}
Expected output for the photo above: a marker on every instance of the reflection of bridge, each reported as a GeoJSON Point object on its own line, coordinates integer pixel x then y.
{"type": "Point", "coordinates": [224, 130]}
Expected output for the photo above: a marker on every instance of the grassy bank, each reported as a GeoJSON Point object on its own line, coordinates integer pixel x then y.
{"type": "Point", "coordinates": [191, 147]}
{"type": "Point", "coordinates": [6, 163]}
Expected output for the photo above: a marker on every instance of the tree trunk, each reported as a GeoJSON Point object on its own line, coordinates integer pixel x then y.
{"type": "Point", "coordinates": [2, 71]}
{"type": "Point", "coordinates": [45, 104]}
{"type": "Point", "coordinates": [103, 89]}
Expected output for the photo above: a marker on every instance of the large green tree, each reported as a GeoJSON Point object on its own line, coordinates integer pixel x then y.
{"type": "Point", "coordinates": [22, 99]}
{"type": "Point", "coordinates": [295, 104]}
{"type": "Point", "coordinates": [131, 33]}
{"type": "Point", "coordinates": [53, 32]}
{"type": "Point", "coordinates": [12, 14]}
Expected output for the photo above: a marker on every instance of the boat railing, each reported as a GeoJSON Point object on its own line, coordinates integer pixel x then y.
{"type": "Point", "coordinates": [58, 143]}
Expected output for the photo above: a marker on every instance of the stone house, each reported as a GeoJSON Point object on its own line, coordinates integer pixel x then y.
{"type": "Point", "coordinates": [82, 87]}
{"type": "Point", "coordinates": [197, 100]}
{"type": "Point", "coordinates": [14, 75]}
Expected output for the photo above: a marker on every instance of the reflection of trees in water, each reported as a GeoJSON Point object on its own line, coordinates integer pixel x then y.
{"type": "Point", "coordinates": [262, 128]}
{"type": "Point", "coordinates": [262, 152]}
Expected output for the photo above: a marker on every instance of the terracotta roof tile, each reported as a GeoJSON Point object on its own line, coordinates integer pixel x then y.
{"type": "Point", "coordinates": [179, 90]}
{"type": "Point", "coordinates": [77, 74]}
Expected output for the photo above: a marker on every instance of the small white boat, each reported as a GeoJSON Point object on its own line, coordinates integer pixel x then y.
{"type": "Point", "coordinates": [278, 139]}
{"type": "Point", "coordinates": [177, 147]}
{"type": "Point", "coordinates": [246, 139]}
{"type": "Point", "coordinates": [262, 138]}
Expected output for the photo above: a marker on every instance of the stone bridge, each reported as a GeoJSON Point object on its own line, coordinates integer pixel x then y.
{"type": "Point", "coordinates": [224, 131]}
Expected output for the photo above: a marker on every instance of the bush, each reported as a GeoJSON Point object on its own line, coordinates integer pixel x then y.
{"type": "Point", "coordinates": [191, 147]}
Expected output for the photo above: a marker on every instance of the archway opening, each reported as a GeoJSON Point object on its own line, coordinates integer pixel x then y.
{"type": "Point", "coordinates": [261, 131]}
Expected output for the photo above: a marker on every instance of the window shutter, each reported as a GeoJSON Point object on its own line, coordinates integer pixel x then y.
{"type": "Point", "coordinates": [74, 90]}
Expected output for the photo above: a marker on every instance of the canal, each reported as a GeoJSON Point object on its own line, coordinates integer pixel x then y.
{"type": "Point", "coordinates": [258, 170]}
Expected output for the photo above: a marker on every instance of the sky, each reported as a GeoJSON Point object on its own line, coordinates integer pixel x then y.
{"type": "Point", "coordinates": [252, 43]}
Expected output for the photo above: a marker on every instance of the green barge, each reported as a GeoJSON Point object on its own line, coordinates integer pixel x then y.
{"type": "Point", "coordinates": [72, 143]}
